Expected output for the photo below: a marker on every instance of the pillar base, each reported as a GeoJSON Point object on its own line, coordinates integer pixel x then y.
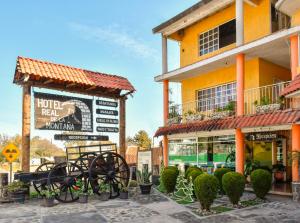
{"type": "Point", "coordinates": [296, 191]}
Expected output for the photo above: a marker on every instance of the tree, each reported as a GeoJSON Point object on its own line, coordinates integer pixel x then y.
{"type": "Point", "coordinates": [141, 139]}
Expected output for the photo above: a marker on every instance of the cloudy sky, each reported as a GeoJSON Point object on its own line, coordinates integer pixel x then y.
{"type": "Point", "coordinates": [108, 36]}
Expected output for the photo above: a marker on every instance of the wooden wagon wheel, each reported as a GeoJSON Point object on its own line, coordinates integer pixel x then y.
{"type": "Point", "coordinates": [109, 168]}
{"type": "Point", "coordinates": [40, 185]}
{"type": "Point", "coordinates": [85, 160]}
{"type": "Point", "coordinates": [63, 179]}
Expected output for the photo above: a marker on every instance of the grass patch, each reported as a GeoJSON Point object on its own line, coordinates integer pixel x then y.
{"type": "Point", "coordinates": [221, 209]}
{"type": "Point", "coordinates": [252, 202]}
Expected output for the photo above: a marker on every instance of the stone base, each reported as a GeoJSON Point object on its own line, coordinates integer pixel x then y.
{"type": "Point", "coordinates": [296, 191]}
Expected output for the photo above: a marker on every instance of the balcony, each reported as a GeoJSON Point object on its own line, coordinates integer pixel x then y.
{"type": "Point", "coordinates": [257, 100]}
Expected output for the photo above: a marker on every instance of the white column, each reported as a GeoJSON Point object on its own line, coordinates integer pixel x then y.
{"type": "Point", "coordinates": [239, 11]}
{"type": "Point", "coordinates": [164, 54]}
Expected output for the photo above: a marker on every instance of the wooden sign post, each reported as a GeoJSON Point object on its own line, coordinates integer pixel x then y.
{"type": "Point", "coordinates": [11, 153]}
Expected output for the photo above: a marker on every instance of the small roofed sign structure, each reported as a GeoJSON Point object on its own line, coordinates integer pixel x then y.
{"type": "Point", "coordinates": [36, 73]}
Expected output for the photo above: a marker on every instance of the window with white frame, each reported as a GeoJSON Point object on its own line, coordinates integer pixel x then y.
{"type": "Point", "coordinates": [217, 38]}
{"type": "Point", "coordinates": [216, 97]}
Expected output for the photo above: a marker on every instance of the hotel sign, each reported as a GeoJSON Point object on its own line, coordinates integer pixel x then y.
{"type": "Point", "coordinates": [262, 136]}
{"type": "Point", "coordinates": [107, 103]}
{"type": "Point", "coordinates": [63, 113]}
{"type": "Point", "coordinates": [100, 111]}
{"type": "Point", "coordinates": [107, 129]}
{"type": "Point", "coordinates": [80, 137]}
{"type": "Point", "coordinates": [107, 120]}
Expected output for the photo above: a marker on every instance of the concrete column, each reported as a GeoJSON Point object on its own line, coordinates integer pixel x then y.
{"type": "Point", "coordinates": [165, 117]}
{"type": "Point", "coordinates": [164, 45]}
{"type": "Point", "coordinates": [239, 11]}
{"type": "Point", "coordinates": [294, 55]}
{"type": "Point", "coordinates": [295, 148]}
{"type": "Point", "coordinates": [240, 153]}
{"type": "Point", "coordinates": [240, 76]}
{"type": "Point", "coordinates": [26, 128]}
{"type": "Point", "coordinates": [122, 126]}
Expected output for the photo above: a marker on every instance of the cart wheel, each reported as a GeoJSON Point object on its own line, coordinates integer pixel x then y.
{"type": "Point", "coordinates": [85, 160]}
{"type": "Point", "coordinates": [109, 168]}
{"type": "Point", "coordinates": [40, 185]}
{"type": "Point", "coordinates": [63, 179]}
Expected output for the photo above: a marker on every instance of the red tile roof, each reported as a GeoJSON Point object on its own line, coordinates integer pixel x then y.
{"type": "Point", "coordinates": [37, 69]}
{"type": "Point", "coordinates": [292, 87]}
{"type": "Point", "coordinates": [282, 117]}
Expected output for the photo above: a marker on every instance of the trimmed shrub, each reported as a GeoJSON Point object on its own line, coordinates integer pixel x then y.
{"type": "Point", "coordinates": [206, 190]}
{"type": "Point", "coordinates": [219, 175]}
{"type": "Point", "coordinates": [194, 174]}
{"type": "Point", "coordinates": [233, 185]}
{"type": "Point", "coordinates": [169, 177]}
{"type": "Point", "coordinates": [190, 169]}
{"type": "Point", "coordinates": [172, 168]}
{"type": "Point", "coordinates": [261, 181]}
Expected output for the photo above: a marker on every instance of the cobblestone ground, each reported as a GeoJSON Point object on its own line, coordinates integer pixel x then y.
{"type": "Point", "coordinates": [154, 208]}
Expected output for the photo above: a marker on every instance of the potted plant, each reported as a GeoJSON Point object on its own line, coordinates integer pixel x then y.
{"type": "Point", "coordinates": [132, 188]}
{"type": "Point", "coordinates": [144, 181]}
{"type": "Point", "coordinates": [17, 191]}
{"type": "Point", "coordinates": [104, 190]}
{"type": "Point", "coordinates": [265, 105]}
{"type": "Point", "coordinates": [123, 192]}
{"type": "Point", "coordinates": [81, 191]}
{"type": "Point", "coordinates": [48, 197]}
{"type": "Point", "coordinates": [278, 170]}
{"type": "Point", "coordinates": [224, 112]}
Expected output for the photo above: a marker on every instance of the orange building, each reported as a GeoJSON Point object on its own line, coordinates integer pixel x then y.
{"type": "Point", "coordinates": [237, 60]}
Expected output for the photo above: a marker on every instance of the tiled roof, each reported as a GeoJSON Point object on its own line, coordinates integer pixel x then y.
{"type": "Point", "coordinates": [37, 69]}
{"type": "Point", "coordinates": [282, 117]}
{"type": "Point", "coordinates": [292, 87]}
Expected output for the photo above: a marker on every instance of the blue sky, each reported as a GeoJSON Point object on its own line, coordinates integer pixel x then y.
{"type": "Point", "coordinates": [109, 36]}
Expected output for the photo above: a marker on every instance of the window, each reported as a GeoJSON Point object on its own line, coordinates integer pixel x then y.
{"type": "Point", "coordinates": [217, 38]}
{"type": "Point", "coordinates": [216, 97]}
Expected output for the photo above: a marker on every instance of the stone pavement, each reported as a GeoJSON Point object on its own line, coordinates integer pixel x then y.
{"type": "Point", "coordinates": [155, 208]}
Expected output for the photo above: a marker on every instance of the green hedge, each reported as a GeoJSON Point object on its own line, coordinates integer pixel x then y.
{"type": "Point", "coordinates": [219, 173]}
{"type": "Point", "coordinates": [261, 181]}
{"type": "Point", "coordinates": [190, 169]}
{"type": "Point", "coordinates": [206, 190]}
{"type": "Point", "coordinates": [233, 185]}
{"type": "Point", "coordinates": [194, 174]}
{"type": "Point", "coordinates": [169, 177]}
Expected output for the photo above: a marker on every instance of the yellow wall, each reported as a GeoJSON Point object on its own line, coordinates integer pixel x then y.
{"type": "Point", "coordinates": [257, 24]}
{"type": "Point", "coordinates": [296, 19]}
{"type": "Point", "coordinates": [258, 72]}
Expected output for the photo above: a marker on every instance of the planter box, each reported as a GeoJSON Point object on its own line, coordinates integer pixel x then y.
{"type": "Point", "coordinates": [47, 202]}
{"type": "Point", "coordinates": [267, 108]}
{"type": "Point", "coordinates": [221, 114]}
{"type": "Point", "coordinates": [175, 120]}
{"type": "Point", "coordinates": [83, 198]}
{"type": "Point", "coordinates": [18, 196]}
{"type": "Point", "coordinates": [104, 196]}
{"type": "Point", "coordinates": [296, 191]}
{"type": "Point", "coordinates": [145, 188]}
{"type": "Point", "coordinates": [123, 195]}
{"type": "Point", "coordinates": [194, 117]}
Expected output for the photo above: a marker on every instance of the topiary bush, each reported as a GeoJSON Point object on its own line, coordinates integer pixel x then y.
{"type": "Point", "coordinates": [169, 177]}
{"type": "Point", "coordinates": [172, 168]}
{"type": "Point", "coordinates": [190, 169]}
{"type": "Point", "coordinates": [194, 174]}
{"type": "Point", "coordinates": [261, 181]}
{"type": "Point", "coordinates": [219, 173]}
{"type": "Point", "coordinates": [206, 190]}
{"type": "Point", "coordinates": [233, 185]}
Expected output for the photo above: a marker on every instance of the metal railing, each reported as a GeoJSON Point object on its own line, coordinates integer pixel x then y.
{"type": "Point", "coordinates": [257, 100]}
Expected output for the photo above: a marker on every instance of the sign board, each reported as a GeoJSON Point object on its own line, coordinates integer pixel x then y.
{"type": "Point", "coordinates": [107, 120]}
{"type": "Point", "coordinates": [144, 159]}
{"type": "Point", "coordinates": [262, 136]}
{"type": "Point", "coordinates": [63, 113]}
{"type": "Point", "coordinates": [107, 103]}
{"type": "Point", "coordinates": [107, 129]}
{"type": "Point", "coordinates": [81, 137]}
{"type": "Point", "coordinates": [100, 111]}
{"type": "Point", "coordinates": [11, 152]}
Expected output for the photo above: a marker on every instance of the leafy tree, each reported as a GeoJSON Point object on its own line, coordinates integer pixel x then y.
{"type": "Point", "coordinates": [141, 139]}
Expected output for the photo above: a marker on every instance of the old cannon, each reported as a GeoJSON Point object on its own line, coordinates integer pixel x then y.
{"type": "Point", "coordinates": [93, 165]}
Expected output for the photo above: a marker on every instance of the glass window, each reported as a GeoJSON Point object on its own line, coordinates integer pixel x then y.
{"type": "Point", "coordinates": [216, 97]}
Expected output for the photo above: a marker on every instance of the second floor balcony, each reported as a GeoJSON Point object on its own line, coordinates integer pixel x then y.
{"type": "Point", "coordinates": [258, 100]}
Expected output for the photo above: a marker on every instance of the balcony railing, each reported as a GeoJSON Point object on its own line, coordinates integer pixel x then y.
{"type": "Point", "coordinates": [257, 100]}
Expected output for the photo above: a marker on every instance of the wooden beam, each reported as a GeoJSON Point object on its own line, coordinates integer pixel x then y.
{"type": "Point", "coordinates": [122, 127]}
{"type": "Point", "coordinates": [250, 2]}
{"type": "Point", "coordinates": [91, 88]}
{"type": "Point", "coordinates": [70, 85]}
{"type": "Point", "coordinates": [26, 128]}
{"type": "Point", "coordinates": [48, 81]}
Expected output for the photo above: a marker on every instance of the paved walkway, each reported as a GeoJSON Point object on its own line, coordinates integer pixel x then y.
{"type": "Point", "coordinates": [155, 208]}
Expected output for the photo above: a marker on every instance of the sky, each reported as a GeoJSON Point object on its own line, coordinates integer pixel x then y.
{"type": "Point", "coordinates": [107, 36]}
